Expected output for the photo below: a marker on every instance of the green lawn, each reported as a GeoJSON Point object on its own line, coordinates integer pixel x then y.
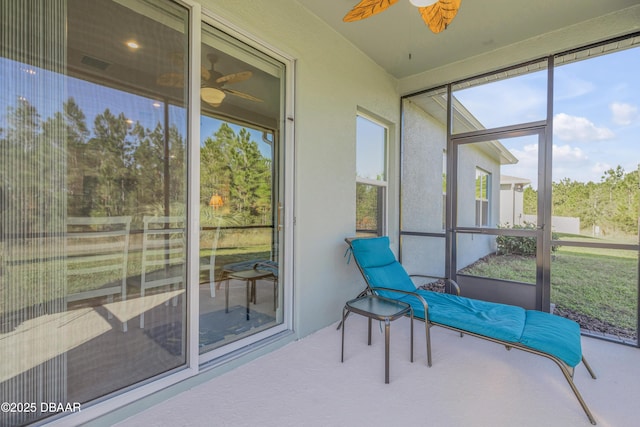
{"type": "Point", "coordinates": [599, 283]}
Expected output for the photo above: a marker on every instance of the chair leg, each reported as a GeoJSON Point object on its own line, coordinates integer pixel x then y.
{"type": "Point", "coordinates": [586, 365]}
{"type": "Point", "coordinates": [585, 408]}
{"type": "Point", "coordinates": [426, 326]}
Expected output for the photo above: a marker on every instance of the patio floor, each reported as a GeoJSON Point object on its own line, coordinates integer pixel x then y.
{"type": "Point", "coordinates": [472, 383]}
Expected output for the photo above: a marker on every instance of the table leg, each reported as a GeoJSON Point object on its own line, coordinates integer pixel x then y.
{"type": "Point", "coordinates": [226, 296]}
{"type": "Point", "coordinates": [411, 316]}
{"type": "Point", "coordinates": [369, 335]}
{"type": "Point", "coordinates": [248, 297]}
{"type": "Point", "coordinates": [386, 351]}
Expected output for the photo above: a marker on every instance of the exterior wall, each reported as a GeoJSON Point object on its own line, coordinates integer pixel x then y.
{"type": "Point", "coordinates": [559, 224]}
{"type": "Point", "coordinates": [511, 206]}
{"type": "Point", "coordinates": [424, 139]}
{"type": "Point", "coordinates": [471, 247]}
{"type": "Point", "coordinates": [333, 80]}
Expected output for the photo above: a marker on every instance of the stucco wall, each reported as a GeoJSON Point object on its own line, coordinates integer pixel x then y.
{"type": "Point", "coordinates": [333, 80]}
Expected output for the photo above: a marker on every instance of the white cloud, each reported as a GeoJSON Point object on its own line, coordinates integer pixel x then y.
{"type": "Point", "coordinates": [567, 153]}
{"type": "Point", "coordinates": [624, 114]}
{"type": "Point", "coordinates": [599, 168]}
{"type": "Point", "coordinates": [573, 128]}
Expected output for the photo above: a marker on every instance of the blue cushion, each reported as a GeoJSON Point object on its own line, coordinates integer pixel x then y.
{"type": "Point", "coordinates": [553, 335]}
{"type": "Point", "coordinates": [500, 321]}
{"type": "Point", "coordinates": [374, 252]}
{"type": "Point", "coordinates": [391, 276]}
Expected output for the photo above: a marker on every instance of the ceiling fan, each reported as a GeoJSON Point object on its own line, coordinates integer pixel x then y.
{"type": "Point", "coordinates": [212, 82]}
{"type": "Point", "coordinates": [436, 14]}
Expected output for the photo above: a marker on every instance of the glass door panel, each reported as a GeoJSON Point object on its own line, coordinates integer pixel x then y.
{"type": "Point", "coordinates": [240, 291]}
{"type": "Point", "coordinates": [93, 173]}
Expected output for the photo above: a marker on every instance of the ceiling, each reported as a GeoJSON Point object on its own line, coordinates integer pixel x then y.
{"type": "Point", "coordinates": [399, 41]}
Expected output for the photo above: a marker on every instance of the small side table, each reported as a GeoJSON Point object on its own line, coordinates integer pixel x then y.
{"type": "Point", "coordinates": [251, 276]}
{"type": "Point", "coordinates": [382, 309]}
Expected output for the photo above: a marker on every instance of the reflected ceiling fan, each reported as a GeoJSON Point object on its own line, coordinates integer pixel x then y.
{"type": "Point", "coordinates": [212, 82]}
{"type": "Point", "coordinates": [437, 14]}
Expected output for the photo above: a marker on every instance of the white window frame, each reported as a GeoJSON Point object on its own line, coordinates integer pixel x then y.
{"type": "Point", "coordinates": [382, 184]}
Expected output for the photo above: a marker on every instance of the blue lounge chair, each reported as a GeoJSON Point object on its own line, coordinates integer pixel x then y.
{"type": "Point", "coordinates": [536, 332]}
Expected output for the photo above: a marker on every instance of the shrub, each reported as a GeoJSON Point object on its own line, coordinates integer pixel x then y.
{"type": "Point", "coordinates": [519, 245]}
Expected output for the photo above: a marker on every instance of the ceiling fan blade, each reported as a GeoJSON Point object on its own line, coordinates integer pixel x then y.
{"type": "Point", "coordinates": [236, 77]}
{"type": "Point", "coordinates": [171, 80]}
{"type": "Point", "coordinates": [177, 79]}
{"type": "Point", "coordinates": [242, 95]}
{"type": "Point", "coordinates": [367, 8]}
{"type": "Point", "coordinates": [439, 15]}
{"type": "Point", "coordinates": [212, 96]}
{"type": "Point", "coordinates": [204, 74]}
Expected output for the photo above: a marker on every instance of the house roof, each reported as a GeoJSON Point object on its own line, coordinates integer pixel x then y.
{"type": "Point", "coordinates": [507, 179]}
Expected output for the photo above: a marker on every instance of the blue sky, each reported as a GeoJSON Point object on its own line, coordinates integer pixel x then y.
{"type": "Point", "coordinates": [596, 115]}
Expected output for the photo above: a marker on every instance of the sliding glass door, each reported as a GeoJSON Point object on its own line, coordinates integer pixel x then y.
{"type": "Point", "coordinates": [93, 189]}
{"type": "Point", "coordinates": [97, 134]}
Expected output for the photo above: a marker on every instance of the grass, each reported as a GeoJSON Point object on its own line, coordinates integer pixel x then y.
{"type": "Point", "coordinates": [599, 283]}
{"type": "Point", "coordinates": [38, 273]}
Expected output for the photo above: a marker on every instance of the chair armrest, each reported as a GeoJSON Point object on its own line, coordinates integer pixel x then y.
{"type": "Point", "coordinates": [415, 294]}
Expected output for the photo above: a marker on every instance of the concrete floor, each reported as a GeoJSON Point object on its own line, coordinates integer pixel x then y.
{"type": "Point", "coordinates": [472, 383]}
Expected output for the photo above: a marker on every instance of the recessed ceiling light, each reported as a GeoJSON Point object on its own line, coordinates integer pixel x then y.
{"type": "Point", "coordinates": [157, 104]}
{"type": "Point", "coordinates": [133, 44]}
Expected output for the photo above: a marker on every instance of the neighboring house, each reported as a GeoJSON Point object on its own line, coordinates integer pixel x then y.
{"type": "Point", "coordinates": [512, 200]}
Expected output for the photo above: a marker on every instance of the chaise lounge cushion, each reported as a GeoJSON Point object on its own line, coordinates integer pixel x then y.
{"type": "Point", "coordinates": [500, 321]}
{"type": "Point", "coordinates": [553, 335]}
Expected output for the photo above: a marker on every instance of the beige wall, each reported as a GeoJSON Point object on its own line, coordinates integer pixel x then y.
{"type": "Point", "coordinates": [333, 80]}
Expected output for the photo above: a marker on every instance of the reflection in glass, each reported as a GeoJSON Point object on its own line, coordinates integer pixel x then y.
{"type": "Point", "coordinates": [371, 152]}
{"type": "Point", "coordinates": [241, 288]}
{"type": "Point", "coordinates": [368, 208]}
{"type": "Point", "coordinates": [92, 148]}
{"type": "Point", "coordinates": [371, 149]}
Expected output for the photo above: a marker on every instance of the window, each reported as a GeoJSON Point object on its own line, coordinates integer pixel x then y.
{"type": "Point", "coordinates": [483, 181]}
{"type": "Point", "coordinates": [371, 176]}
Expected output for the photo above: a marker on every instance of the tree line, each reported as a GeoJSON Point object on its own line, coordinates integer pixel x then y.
{"type": "Point", "coordinates": [60, 167]}
{"type": "Point", "coordinates": [611, 204]}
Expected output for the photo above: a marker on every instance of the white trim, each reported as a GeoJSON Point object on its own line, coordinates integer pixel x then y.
{"type": "Point", "coordinates": [193, 187]}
